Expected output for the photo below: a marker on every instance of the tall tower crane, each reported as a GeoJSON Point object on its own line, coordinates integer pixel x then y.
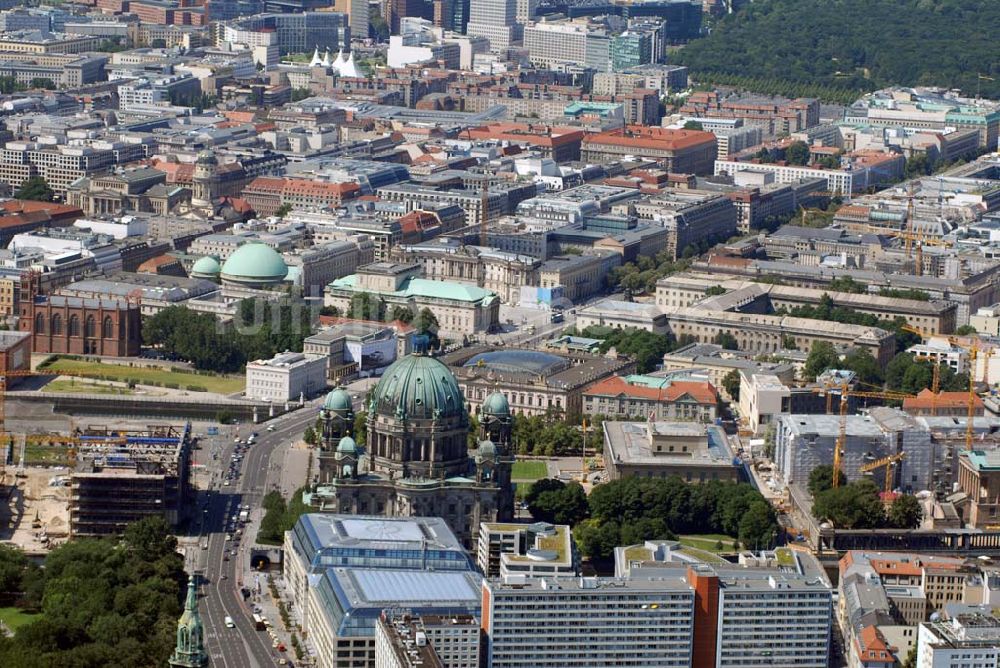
{"type": "Point", "coordinates": [973, 349]}
{"type": "Point", "coordinates": [888, 463]}
{"type": "Point", "coordinates": [845, 394]}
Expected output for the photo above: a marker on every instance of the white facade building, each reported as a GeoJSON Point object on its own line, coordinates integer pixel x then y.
{"type": "Point", "coordinates": [285, 377]}
{"type": "Point", "coordinates": [965, 641]}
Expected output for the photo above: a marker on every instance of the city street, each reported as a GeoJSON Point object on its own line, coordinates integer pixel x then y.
{"type": "Point", "coordinates": [242, 646]}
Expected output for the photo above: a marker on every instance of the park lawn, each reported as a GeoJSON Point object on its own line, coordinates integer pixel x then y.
{"type": "Point", "coordinates": [529, 470]}
{"type": "Point", "coordinates": [219, 384]}
{"type": "Point", "coordinates": [707, 542]}
{"type": "Point", "coordinates": [81, 386]}
{"type": "Point", "coordinates": [15, 618]}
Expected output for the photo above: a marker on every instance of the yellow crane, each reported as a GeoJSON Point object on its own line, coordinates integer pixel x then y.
{"type": "Point", "coordinates": [845, 394]}
{"type": "Point", "coordinates": [973, 348]}
{"type": "Point", "coordinates": [888, 463]}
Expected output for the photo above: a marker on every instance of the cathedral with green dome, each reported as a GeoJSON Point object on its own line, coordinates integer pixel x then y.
{"type": "Point", "coordinates": [416, 459]}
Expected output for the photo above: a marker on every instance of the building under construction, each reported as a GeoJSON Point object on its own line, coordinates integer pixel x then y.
{"type": "Point", "coordinates": [121, 477]}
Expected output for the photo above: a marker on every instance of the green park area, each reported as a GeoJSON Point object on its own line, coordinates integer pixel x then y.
{"type": "Point", "coordinates": [529, 470]}
{"type": "Point", "coordinates": [14, 618]}
{"type": "Point", "coordinates": [149, 375]}
{"type": "Point", "coordinates": [81, 386]}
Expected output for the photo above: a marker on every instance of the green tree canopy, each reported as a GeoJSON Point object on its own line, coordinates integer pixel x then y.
{"type": "Point", "coordinates": [36, 188]}
{"type": "Point", "coordinates": [108, 602]}
{"type": "Point", "coordinates": [853, 506]}
{"type": "Point", "coordinates": [558, 502]}
{"type": "Point", "coordinates": [822, 356]}
{"type": "Point", "coordinates": [693, 125]}
{"type": "Point", "coordinates": [786, 46]}
{"type": "Point", "coordinates": [821, 479]}
{"type": "Point", "coordinates": [731, 384]}
{"type": "Point", "coordinates": [904, 512]}
{"type": "Point", "coordinates": [797, 153]}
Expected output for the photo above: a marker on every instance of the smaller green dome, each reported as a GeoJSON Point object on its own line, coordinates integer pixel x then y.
{"type": "Point", "coordinates": [206, 266]}
{"type": "Point", "coordinates": [496, 404]}
{"type": "Point", "coordinates": [347, 446]}
{"type": "Point", "coordinates": [338, 401]}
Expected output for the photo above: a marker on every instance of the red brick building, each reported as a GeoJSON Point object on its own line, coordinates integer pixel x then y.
{"type": "Point", "coordinates": [81, 326]}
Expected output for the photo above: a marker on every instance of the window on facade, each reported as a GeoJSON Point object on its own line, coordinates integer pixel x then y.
{"type": "Point", "coordinates": [74, 325]}
{"type": "Point", "coordinates": [90, 327]}
{"type": "Point", "coordinates": [57, 324]}
{"type": "Point", "coordinates": [108, 328]}
{"type": "Point", "coordinates": [39, 324]}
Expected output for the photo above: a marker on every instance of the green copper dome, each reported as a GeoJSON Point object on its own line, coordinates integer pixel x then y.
{"type": "Point", "coordinates": [347, 446]}
{"type": "Point", "coordinates": [206, 266]}
{"type": "Point", "coordinates": [255, 263]}
{"type": "Point", "coordinates": [496, 404]}
{"type": "Point", "coordinates": [417, 387]}
{"type": "Point", "coordinates": [338, 401]}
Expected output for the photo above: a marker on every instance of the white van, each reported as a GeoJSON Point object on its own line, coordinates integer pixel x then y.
{"type": "Point", "coordinates": [230, 624]}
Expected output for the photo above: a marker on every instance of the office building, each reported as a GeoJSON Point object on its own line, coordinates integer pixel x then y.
{"type": "Point", "coordinates": [344, 571]}
{"type": "Point", "coordinates": [357, 12]}
{"type": "Point", "coordinates": [968, 639]}
{"type": "Point", "coordinates": [285, 377]}
{"type": "Point", "coordinates": [683, 614]}
{"type": "Point", "coordinates": [496, 20]}
{"type": "Point", "coordinates": [534, 550]}
{"type": "Point", "coordinates": [427, 641]}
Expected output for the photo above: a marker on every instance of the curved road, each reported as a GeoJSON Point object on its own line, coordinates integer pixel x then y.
{"type": "Point", "coordinates": [242, 646]}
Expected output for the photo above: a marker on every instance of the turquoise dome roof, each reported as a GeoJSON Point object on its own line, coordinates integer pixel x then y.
{"type": "Point", "coordinates": [207, 266]}
{"type": "Point", "coordinates": [496, 404]}
{"type": "Point", "coordinates": [255, 262]}
{"type": "Point", "coordinates": [347, 446]}
{"type": "Point", "coordinates": [338, 401]}
{"type": "Point", "coordinates": [418, 387]}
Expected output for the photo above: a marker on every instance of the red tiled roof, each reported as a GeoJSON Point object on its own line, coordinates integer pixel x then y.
{"type": "Point", "coordinates": [30, 206]}
{"type": "Point", "coordinates": [640, 136]}
{"type": "Point", "coordinates": [925, 399]}
{"type": "Point", "coordinates": [700, 391]}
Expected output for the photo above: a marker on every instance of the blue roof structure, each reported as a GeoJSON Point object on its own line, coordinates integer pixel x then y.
{"type": "Point", "coordinates": [356, 597]}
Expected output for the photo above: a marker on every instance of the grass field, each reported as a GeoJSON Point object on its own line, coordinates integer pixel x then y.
{"type": "Point", "coordinates": [153, 376]}
{"type": "Point", "coordinates": [708, 542]}
{"type": "Point", "coordinates": [15, 618]}
{"type": "Point", "coordinates": [529, 470]}
{"type": "Point", "coordinates": [39, 454]}
{"type": "Point", "coordinates": [81, 386]}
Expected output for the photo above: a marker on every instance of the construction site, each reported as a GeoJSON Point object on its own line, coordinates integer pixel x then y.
{"type": "Point", "coordinates": [89, 480]}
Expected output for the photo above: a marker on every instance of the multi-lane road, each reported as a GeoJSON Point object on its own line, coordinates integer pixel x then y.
{"type": "Point", "coordinates": [241, 646]}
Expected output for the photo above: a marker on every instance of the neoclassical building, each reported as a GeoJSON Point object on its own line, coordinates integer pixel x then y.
{"type": "Point", "coordinates": [417, 461]}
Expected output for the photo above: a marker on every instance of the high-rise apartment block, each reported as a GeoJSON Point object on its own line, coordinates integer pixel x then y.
{"type": "Point", "coordinates": [673, 614]}
{"type": "Point", "coordinates": [496, 20]}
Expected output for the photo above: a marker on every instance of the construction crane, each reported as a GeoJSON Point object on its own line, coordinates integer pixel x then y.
{"type": "Point", "coordinates": [888, 463]}
{"type": "Point", "coordinates": [23, 373]}
{"type": "Point", "coordinates": [973, 349]}
{"type": "Point", "coordinates": [845, 394]}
